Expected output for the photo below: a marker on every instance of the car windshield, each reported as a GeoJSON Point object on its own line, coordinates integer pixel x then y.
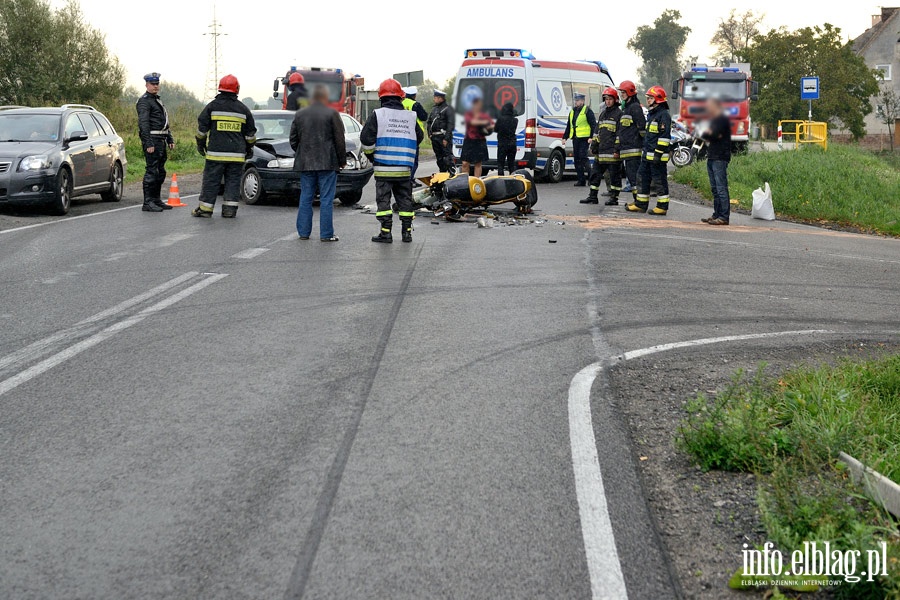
{"type": "Point", "coordinates": [29, 128]}
{"type": "Point", "coordinates": [335, 88]}
{"type": "Point", "coordinates": [273, 127]}
{"type": "Point", "coordinates": [496, 93]}
{"type": "Point", "coordinates": [720, 88]}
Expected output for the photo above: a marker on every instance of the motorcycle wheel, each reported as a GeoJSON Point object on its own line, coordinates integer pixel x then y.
{"type": "Point", "coordinates": [682, 157]}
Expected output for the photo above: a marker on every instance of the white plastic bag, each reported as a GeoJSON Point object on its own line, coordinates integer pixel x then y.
{"type": "Point", "coordinates": [762, 204]}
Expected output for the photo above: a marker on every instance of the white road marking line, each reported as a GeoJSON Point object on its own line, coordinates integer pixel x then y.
{"type": "Point", "coordinates": [287, 238]}
{"type": "Point", "coordinates": [604, 567]}
{"type": "Point", "coordinates": [752, 245]}
{"type": "Point", "coordinates": [64, 355]}
{"type": "Point", "coordinates": [250, 253]}
{"type": "Point", "coordinates": [716, 340]}
{"type": "Point", "coordinates": [39, 348]}
{"type": "Point", "coordinates": [96, 214]}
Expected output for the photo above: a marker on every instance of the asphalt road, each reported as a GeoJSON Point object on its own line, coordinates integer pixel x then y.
{"type": "Point", "coordinates": [213, 408]}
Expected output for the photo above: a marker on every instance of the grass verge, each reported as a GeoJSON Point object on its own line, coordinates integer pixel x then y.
{"type": "Point", "coordinates": [789, 431]}
{"type": "Point", "coordinates": [846, 185]}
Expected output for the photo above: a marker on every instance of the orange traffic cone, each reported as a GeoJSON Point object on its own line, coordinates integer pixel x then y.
{"type": "Point", "coordinates": [174, 195]}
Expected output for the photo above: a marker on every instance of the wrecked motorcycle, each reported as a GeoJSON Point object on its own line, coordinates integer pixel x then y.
{"type": "Point", "coordinates": [455, 195]}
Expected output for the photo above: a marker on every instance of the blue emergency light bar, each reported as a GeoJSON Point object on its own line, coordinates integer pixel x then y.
{"type": "Point", "coordinates": [731, 70]}
{"type": "Point", "coordinates": [699, 70]}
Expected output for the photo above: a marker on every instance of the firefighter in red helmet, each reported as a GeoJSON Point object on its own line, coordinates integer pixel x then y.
{"type": "Point", "coordinates": [631, 133]}
{"type": "Point", "coordinates": [391, 137]}
{"type": "Point", "coordinates": [655, 156]}
{"type": "Point", "coordinates": [226, 134]}
{"type": "Point", "coordinates": [605, 148]}
{"type": "Point", "coordinates": [298, 97]}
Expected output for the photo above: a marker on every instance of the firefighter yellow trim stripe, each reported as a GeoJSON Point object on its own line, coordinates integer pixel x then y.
{"type": "Point", "coordinates": [406, 214]}
{"type": "Point", "coordinates": [384, 213]}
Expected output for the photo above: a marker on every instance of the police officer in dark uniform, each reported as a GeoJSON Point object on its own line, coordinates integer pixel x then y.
{"type": "Point", "coordinates": [226, 134]}
{"type": "Point", "coordinates": [156, 139]}
{"type": "Point", "coordinates": [441, 122]}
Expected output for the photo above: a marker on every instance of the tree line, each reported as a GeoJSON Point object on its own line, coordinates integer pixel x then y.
{"type": "Point", "coordinates": [778, 58]}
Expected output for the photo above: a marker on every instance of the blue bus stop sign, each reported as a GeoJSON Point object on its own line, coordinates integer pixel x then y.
{"type": "Point", "coordinates": [809, 88]}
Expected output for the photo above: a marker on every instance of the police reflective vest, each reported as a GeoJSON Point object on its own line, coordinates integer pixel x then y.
{"type": "Point", "coordinates": [657, 140]}
{"type": "Point", "coordinates": [582, 128]}
{"type": "Point", "coordinates": [408, 104]}
{"type": "Point", "coordinates": [395, 142]}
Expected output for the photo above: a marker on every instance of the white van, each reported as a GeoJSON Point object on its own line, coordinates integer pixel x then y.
{"type": "Point", "coordinates": [541, 91]}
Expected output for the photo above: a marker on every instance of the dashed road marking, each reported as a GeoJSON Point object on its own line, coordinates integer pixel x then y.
{"type": "Point", "coordinates": [103, 335]}
{"type": "Point", "coordinates": [250, 253]}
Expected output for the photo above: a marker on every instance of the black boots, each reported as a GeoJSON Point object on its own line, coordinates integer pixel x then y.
{"type": "Point", "coordinates": [406, 227]}
{"type": "Point", "coordinates": [384, 236]}
{"type": "Point", "coordinates": [229, 212]}
{"type": "Point", "coordinates": [151, 206]}
{"type": "Point", "coordinates": [592, 197]}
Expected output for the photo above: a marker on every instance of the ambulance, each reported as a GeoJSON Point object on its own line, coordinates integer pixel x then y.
{"type": "Point", "coordinates": [541, 92]}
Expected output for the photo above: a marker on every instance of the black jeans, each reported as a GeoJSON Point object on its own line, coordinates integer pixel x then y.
{"type": "Point", "coordinates": [651, 171]}
{"type": "Point", "coordinates": [718, 181]}
{"type": "Point", "coordinates": [443, 155]}
{"type": "Point", "coordinates": [213, 173]}
{"type": "Point", "coordinates": [506, 157]}
{"type": "Point", "coordinates": [580, 152]}
{"type": "Point", "coordinates": [611, 172]}
{"type": "Point", "coordinates": [630, 166]}
{"type": "Point", "coordinates": [155, 172]}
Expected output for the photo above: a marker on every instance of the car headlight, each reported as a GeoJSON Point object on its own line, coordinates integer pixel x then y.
{"type": "Point", "coordinates": [352, 163]}
{"type": "Point", "coordinates": [281, 163]}
{"type": "Point", "coordinates": [34, 163]}
{"type": "Point", "coordinates": [363, 161]}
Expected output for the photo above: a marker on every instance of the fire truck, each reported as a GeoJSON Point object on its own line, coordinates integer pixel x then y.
{"type": "Point", "coordinates": [733, 85]}
{"type": "Point", "coordinates": [341, 88]}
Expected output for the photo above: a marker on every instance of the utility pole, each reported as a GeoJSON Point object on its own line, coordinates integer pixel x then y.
{"type": "Point", "coordinates": [214, 66]}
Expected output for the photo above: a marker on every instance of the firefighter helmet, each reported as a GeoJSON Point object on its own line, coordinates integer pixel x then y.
{"type": "Point", "coordinates": [628, 87]}
{"type": "Point", "coordinates": [657, 93]}
{"type": "Point", "coordinates": [611, 92]}
{"type": "Point", "coordinates": [296, 78]}
{"type": "Point", "coordinates": [390, 87]}
{"type": "Point", "coordinates": [229, 83]}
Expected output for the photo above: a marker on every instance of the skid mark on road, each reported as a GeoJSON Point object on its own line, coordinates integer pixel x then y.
{"type": "Point", "coordinates": [303, 568]}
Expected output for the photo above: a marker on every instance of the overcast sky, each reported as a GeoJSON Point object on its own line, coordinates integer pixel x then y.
{"type": "Point", "coordinates": [376, 39]}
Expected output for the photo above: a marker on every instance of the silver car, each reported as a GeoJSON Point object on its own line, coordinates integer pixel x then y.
{"type": "Point", "coordinates": [50, 155]}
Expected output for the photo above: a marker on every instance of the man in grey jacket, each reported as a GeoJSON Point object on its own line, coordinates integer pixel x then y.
{"type": "Point", "coordinates": [317, 138]}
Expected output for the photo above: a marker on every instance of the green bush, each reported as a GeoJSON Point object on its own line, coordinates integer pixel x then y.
{"type": "Point", "coordinates": [789, 431]}
{"type": "Point", "coordinates": [845, 185]}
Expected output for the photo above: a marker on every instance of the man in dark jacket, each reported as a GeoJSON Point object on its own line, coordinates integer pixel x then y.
{"type": "Point", "coordinates": [298, 97]}
{"type": "Point", "coordinates": [226, 134]}
{"type": "Point", "coordinates": [605, 147]}
{"type": "Point", "coordinates": [657, 142]}
{"type": "Point", "coordinates": [506, 127]}
{"type": "Point", "coordinates": [718, 136]}
{"type": "Point", "coordinates": [631, 134]}
{"type": "Point", "coordinates": [153, 127]}
{"type": "Point", "coordinates": [440, 125]}
{"type": "Point", "coordinates": [391, 137]}
{"type": "Point", "coordinates": [579, 129]}
{"type": "Point", "coordinates": [317, 137]}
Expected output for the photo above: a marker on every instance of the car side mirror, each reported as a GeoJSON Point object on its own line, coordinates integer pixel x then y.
{"type": "Point", "coordinates": [675, 89]}
{"type": "Point", "coordinates": [77, 136]}
{"type": "Point", "coordinates": [754, 91]}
